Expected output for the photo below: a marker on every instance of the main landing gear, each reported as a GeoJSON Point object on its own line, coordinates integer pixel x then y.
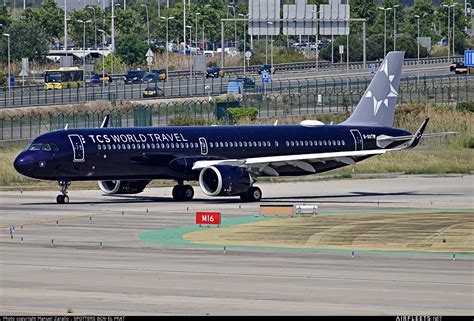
{"type": "Point", "coordinates": [63, 198]}
{"type": "Point", "coordinates": [183, 192]}
{"type": "Point", "coordinates": [254, 194]}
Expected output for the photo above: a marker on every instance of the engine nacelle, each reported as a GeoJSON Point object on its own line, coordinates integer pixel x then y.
{"type": "Point", "coordinates": [123, 187]}
{"type": "Point", "coordinates": [220, 180]}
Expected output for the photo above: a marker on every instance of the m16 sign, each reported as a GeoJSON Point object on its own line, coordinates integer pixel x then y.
{"type": "Point", "coordinates": [208, 218]}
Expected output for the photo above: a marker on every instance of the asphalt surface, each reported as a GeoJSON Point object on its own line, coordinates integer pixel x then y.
{"type": "Point", "coordinates": [128, 276]}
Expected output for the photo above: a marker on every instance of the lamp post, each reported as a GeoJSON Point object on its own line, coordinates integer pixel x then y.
{"type": "Point", "coordinates": [95, 28]}
{"type": "Point", "coordinates": [167, 49]}
{"type": "Point", "coordinates": [147, 23]}
{"type": "Point", "coordinates": [112, 31]}
{"type": "Point", "coordinates": [395, 27]}
{"type": "Point", "coordinates": [190, 54]}
{"type": "Point", "coordinates": [9, 68]}
{"type": "Point", "coordinates": [203, 20]}
{"type": "Point", "coordinates": [418, 47]}
{"type": "Point", "coordinates": [103, 55]}
{"type": "Point", "coordinates": [65, 27]}
{"type": "Point", "coordinates": [385, 29]}
{"type": "Point", "coordinates": [84, 50]}
{"type": "Point", "coordinates": [245, 41]}
{"type": "Point", "coordinates": [232, 5]}
{"type": "Point", "coordinates": [269, 23]}
{"type": "Point", "coordinates": [454, 27]}
{"type": "Point", "coordinates": [184, 25]}
{"type": "Point", "coordinates": [449, 24]}
{"type": "Point", "coordinates": [197, 14]}
{"type": "Point", "coordinates": [315, 11]}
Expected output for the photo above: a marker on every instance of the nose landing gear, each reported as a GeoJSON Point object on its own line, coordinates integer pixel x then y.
{"type": "Point", "coordinates": [63, 198]}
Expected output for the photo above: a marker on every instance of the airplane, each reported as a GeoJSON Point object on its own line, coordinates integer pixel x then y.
{"type": "Point", "coordinates": [225, 160]}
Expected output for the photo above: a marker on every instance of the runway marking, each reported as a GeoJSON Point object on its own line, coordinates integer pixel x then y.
{"type": "Point", "coordinates": [176, 236]}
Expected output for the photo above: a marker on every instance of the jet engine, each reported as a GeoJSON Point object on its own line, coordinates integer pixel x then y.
{"type": "Point", "coordinates": [220, 180]}
{"type": "Point", "coordinates": [123, 187]}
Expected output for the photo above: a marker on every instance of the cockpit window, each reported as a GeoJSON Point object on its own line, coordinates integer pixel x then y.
{"type": "Point", "coordinates": [45, 147]}
{"type": "Point", "coordinates": [35, 147]}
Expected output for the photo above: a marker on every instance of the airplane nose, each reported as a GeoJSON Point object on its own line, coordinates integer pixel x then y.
{"type": "Point", "coordinates": [22, 163]}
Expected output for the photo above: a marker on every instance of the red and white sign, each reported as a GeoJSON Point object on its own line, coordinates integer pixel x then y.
{"type": "Point", "coordinates": [208, 218]}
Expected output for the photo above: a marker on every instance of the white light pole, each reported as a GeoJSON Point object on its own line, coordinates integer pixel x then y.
{"type": "Point", "coordinates": [190, 54]}
{"type": "Point", "coordinates": [84, 49]}
{"type": "Point", "coordinates": [449, 25]}
{"type": "Point", "coordinates": [454, 26]}
{"type": "Point", "coordinates": [418, 47]}
{"type": "Point", "coordinates": [103, 55]}
{"type": "Point", "coordinates": [9, 68]}
{"type": "Point", "coordinates": [197, 16]}
{"type": "Point", "coordinates": [184, 25]}
{"type": "Point", "coordinates": [395, 27]}
{"type": "Point", "coordinates": [245, 41]}
{"type": "Point", "coordinates": [65, 27]}
{"type": "Point", "coordinates": [385, 30]}
{"type": "Point", "coordinates": [167, 48]}
{"type": "Point", "coordinates": [315, 11]}
{"type": "Point", "coordinates": [269, 23]}
{"type": "Point", "coordinates": [147, 23]}
{"type": "Point", "coordinates": [95, 28]}
{"type": "Point", "coordinates": [232, 5]}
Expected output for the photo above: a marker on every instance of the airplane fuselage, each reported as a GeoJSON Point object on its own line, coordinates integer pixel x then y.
{"type": "Point", "coordinates": [170, 152]}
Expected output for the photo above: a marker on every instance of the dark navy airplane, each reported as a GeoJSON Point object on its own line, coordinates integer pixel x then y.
{"type": "Point", "coordinates": [225, 160]}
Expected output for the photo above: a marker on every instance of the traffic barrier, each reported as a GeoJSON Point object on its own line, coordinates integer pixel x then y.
{"type": "Point", "coordinates": [306, 209]}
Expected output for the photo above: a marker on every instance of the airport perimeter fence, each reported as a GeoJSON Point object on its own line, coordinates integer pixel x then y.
{"type": "Point", "coordinates": [28, 96]}
{"type": "Point", "coordinates": [26, 123]}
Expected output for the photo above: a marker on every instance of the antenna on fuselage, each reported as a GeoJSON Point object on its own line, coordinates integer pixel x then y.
{"type": "Point", "coordinates": [276, 122]}
{"type": "Point", "coordinates": [65, 127]}
{"type": "Point", "coordinates": [105, 122]}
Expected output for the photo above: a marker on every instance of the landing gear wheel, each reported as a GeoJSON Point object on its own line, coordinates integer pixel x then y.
{"type": "Point", "coordinates": [59, 199]}
{"type": "Point", "coordinates": [254, 194]}
{"type": "Point", "coordinates": [187, 192]}
{"type": "Point", "coordinates": [63, 198]}
{"type": "Point", "coordinates": [183, 192]}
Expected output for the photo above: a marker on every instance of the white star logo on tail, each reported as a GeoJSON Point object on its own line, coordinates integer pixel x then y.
{"type": "Point", "coordinates": [391, 94]}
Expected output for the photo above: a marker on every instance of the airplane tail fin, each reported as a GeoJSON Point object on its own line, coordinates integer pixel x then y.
{"type": "Point", "coordinates": [377, 105]}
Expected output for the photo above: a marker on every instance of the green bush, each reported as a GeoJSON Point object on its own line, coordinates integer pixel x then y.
{"type": "Point", "coordinates": [187, 121]}
{"type": "Point", "coordinates": [237, 114]}
{"type": "Point", "coordinates": [466, 106]}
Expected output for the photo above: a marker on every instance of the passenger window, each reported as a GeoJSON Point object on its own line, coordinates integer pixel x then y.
{"type": "Point", "coordinates": [167, 145]}
{"type": "Point", "coordinates": [128, 146]}
{"type": "Point", "coordinates": [240, 144]}
{"type": "Point", "coordinates": [162, 145]}
{"type": "Point", "coordinates": [172, 145]}
{"type": "Point", "coordinates": [147, 146]}
{"type": "Point", "coordinates": [343, 143]}
{"type": "Point", "coordinates": [114, 147]}
{"type": "Point", "coordinates": [324, 143]}
{"type": "Point", "coordinates": [329, 142]}
{"type": "Point", "coordinates": [221, 144]}
{"type": "Point", "coordinates": [231, 144]}
{"type": "Point", "coordinates": [297, 143]}
{"type": "Point", "coordinates": [118, 146]}
{"type": "Point", "coordinates": [259, 143]}
{"type": "Point", "coordinates": [310, 143]}
{"type": "Point", "coordinates": [245, 144]}
{"type": "Point", "coordinates": [306, 143]}
{"type": "Point", "coordinates": [320, 143]}
{"type": "Point", "coordinates": [276, 144]}
{"type": "Point", "coordinates": [254, 144]}
{"type": "Point", "coordinates": [333, 143]}
{"type": "Point", "coordinates": [292, 143]}
{"type": "Point", "coordinates": [211, 144]}
{"type": "Point", "coordinates": [98, 147]}
{"type": "Point", "coordinates": [235, 144]}
{"type": "Point", "coordinates": [123, 146]}
{"type": "Point", "coordinates": [187, 145]}
{"type": "Point", "coordinates": [109, 147]}
{"type": "Point", "coordinates": [301, 143]}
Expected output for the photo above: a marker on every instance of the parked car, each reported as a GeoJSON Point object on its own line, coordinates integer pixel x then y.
{"type": "Point", "coordinates": [134, 76]}
{"type": "Point", "coordinates": [247, 82]}
{"type": "Point", "coordinates": [215, 72]}
{"type": "Point", "coordinates": [153, 92]}
{"type": "Point", "coordinates": [267, 68]}
{"type": "Point", "coordinates": [99, 79]}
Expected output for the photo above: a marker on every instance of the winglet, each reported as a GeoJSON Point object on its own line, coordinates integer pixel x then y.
{"type": "Point", "coordinates": [105, 122]}
{"type": "Point", "coordinates": [417, 136]}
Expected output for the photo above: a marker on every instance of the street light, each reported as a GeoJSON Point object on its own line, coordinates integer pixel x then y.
{"type": "Point", "coordinates": [203, 21]}
{"type": "Point", "coordinates": [269, 23]}
{"type": "Point", "coordinates": [385, 30]}
{"type": "Point", "coordinates": [9, 68]}
{"type": "Point", "coordinates": [395, 27]}
{"type": "Point", "coordinates": [245, 41]}
{"type": "Point", "coordinates": [271, 48]}
{"type": "Point", "coordinates": [418, 47]}
{"type": "Point", "coordinates": [103, 55]}
{"type": "Point", "coordinates": [167, 49]}
{"type": "Point", "coordinates": [197, 14]}
{"type": "Point", "coordinates": [84, 50]}
{"type": "Point", "coordinates": [449, 23]}
{"type": "Point", "coordinates": [95, 28]}
{"type": "Point", "coordinates": [454, 26]}
{"type": "Point", "coordinates": [147, 22]}
{"type": "Point", "coordinates": [315, 11]}
{"type": "Point", "coordinates": [232, 5]}
{"type": "Point", "coordinates": [190, 54]}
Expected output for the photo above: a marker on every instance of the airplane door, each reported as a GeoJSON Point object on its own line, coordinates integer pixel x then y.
{"type": "Point", "coordinates": [77, 147]}
{"type": "Point", "coordinates": [358, 141]}
{"type": "Point", "coordinates": [203, 145]}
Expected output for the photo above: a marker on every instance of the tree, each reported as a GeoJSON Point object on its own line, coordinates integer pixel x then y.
{"type": "Point", "coordinates": [355, 49]}
{"type": "Point", "coordinates": [48, 17]}
{"type": "Point", "coordinates": [5, 17]}
{"type": "Point", "coordinates": [131, 49]}
{"type": "Point", "coordinates": [27, 40]}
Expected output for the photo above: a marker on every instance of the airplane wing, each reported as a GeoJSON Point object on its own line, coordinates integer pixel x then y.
{"type": "Point", "coordinates": [269, 164]}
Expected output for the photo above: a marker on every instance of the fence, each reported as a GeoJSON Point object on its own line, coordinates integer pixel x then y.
{"type": "Point", "coordinates": [295, 99]}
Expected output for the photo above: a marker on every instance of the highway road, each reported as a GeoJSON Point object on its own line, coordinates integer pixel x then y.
{"type": "Point", "coordinates": [282, 82]}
